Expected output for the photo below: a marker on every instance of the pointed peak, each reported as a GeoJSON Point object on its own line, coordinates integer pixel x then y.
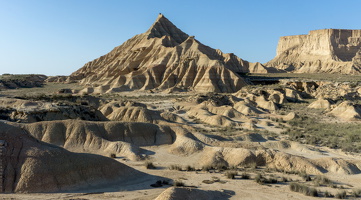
{"type": "Point", "coordinates": [160, 16]}
{"type": "Point", "coordinates": [163, 27]}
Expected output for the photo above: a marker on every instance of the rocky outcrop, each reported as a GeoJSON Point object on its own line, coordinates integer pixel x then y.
{"type": "Point", "coordinates": [28, 111]}
{"type": "Point", "coordinates": [161, 58]}
{"type": "Point", "coordinates": [321, 51]}
{"type": "Point", "coordinates": [12, 81]}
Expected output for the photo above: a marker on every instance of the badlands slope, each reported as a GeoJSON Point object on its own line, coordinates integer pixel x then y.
{"type": "Point", "coordinates": [164, 57]}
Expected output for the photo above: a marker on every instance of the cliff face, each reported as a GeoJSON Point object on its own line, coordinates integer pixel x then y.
{"type": "Point", "coordinates": [321, 51]}
{"type": "Point", "coordinates": [165, 57]}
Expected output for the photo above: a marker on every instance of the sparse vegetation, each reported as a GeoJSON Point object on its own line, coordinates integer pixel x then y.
{"type": "Point", "coordinates": [322, 180]}
{"type": "Point", "coordinates": [230, 174]}
{"type": "Point", "coordinates": [175, 167]}
{"type": "Point", "coordinates": [356, 193]}
{"type": "Point", "coordinates": [308, 191]}
{"type": "Point", "coordinates": [112, 155]}
{"type": "Point", "coordinates": [328, 194]}
{"type": "Point", "coordinates": [245, 175]}
{"type": "Point", "coordinates": [189, 168]}
{"type": "Point", "coordinates": [344, 136]}
{"type": "Point", "coordinates": [178, 183]}
{"type": "Point", "coordinates": [263, 180]}
{"type": "Point", "coordinates": [149, 165]}
{"type": "Point", "coordinates": [341, 194]}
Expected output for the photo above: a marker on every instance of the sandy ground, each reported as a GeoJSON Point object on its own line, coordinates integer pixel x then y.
{"type": "Point", "coordinates": [237, 188]}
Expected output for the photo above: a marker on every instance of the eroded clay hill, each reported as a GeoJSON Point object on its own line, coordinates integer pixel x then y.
{"type": "Point", "coordinates": [28, 165]}
{"type": "Point", "coordinates": [164, 57]}
{"type": "Point", "coordinates": [321, 51]}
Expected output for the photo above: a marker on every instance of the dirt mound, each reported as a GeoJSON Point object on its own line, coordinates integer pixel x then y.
{"type": "Point", "coordinates": [33, 166]}
{"type": "Point", "coordinates": [180, 193]}
{"type": "Point", "coordinates": [321, 103]}
{"type": "Point", "coordinates": [161, 58]}
{"type": "Point", "coordinates": [289, 116]}
{"type": "Point", "coordinates": [129, 112]}
{"type": "Point", "coordinates": [347, 111]}
{"type": "Point", "coordinates": [246, 108]}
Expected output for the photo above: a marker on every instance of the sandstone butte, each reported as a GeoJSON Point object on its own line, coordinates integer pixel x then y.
{"type": "Point", "coordinates": [321, 51]}
{"type": "Point", "coordinates": [164, 57]}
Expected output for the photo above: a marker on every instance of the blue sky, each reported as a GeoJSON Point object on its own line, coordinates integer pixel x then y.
{"type": "Point", "coordinates": [57, 37]}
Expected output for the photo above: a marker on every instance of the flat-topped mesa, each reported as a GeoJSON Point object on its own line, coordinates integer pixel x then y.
{"type": "Point", "coordinates": [321, 51]}
{"type": "Point", "coordinates": [163, 27]}
{"type": "Point", "coordinates": [162, 58]}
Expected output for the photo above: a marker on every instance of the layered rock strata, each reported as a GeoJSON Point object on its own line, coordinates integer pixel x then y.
{"type": "Point", "coordinates": [321, 51]}
{"type": "Point", "coordinates": [164, 57]}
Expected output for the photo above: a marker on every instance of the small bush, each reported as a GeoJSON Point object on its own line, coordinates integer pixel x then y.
{"type": "Point", "coordinates": [175, 167]}
{"type": "Point", "coordinates": [356, 193]}
{"type": "Point", "coordinates": [308, 191]}
{"type": "Point", "coordinates": [112, 155]}
{"type": "Point", "coordinates": [328, 194]}
{"type": "Point", "coordinates": [341, 194]}
{"type": "Point", "coordinates": [305, 176]}
{"type": "Point", "coordinates": [244, 175]}
{"type": "Point", "coordinates": [283, 179]}
{"type": "Point", "coordinates": [263, 180]}
{"type": "Point", "coordinates": [190, 168]}
{"type": "Point", "coordinates": [149, 165]}
{"type": "Point", "coordinates": [322, 180]}
{"type": "Point", "coordinates": [230, 174]}
{"type": "Point", "coordinates": [178, 183]}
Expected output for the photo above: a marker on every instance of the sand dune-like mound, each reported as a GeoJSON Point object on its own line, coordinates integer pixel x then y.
{"type": "Point", "coordinates": [340, 166]}
{"type": "Point", "coordinates": [246, 108]}
{"type": "Point", "coordinates": [321, 103]}
{"type": "Point", "coordinates": [178, 193]}
{"type": "Point", "coordinates": [228, 157]}
{"type": "Point", "coordinates": [347, 111]}
{"type": "Point", "coordinates": [129, 112]}
{"type": "Point", "coordinates": [161, 58]}
{"type": "Point", "coordinates": [321, 51]}
{"type": "Point", "coordinates": [33, 166]}
{"type": "Point", "coordinates": [289, 116]}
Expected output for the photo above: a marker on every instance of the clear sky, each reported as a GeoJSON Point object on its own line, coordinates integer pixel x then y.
{"type": "Point", "coordinates": [57, 37]}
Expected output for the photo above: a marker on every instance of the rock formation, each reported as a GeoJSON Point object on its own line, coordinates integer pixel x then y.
{"type": "Point", "coordinates": [13, 81]}
{"type": "Point", "coordinates": [161, 58]}
{"type": "Point", "coordinates": [321, 51]}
